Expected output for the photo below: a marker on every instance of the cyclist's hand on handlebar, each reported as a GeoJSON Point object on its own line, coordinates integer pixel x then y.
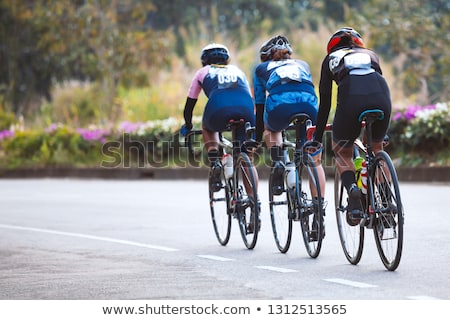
{"type": "Point", "coordinates": [185, 128]}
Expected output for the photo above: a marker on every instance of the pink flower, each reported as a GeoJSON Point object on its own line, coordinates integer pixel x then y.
{"type": "Point", "coordinates": [6, 134]}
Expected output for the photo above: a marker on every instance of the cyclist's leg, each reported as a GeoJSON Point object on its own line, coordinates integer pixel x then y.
{"type": "Point", "coordinates": [276, 119]}
{"type": "Point", "coordinates": [245, 112]}
{"type": "Point", "coordinates": [342, 144]}
{"type": "Point", "coordinates": [320, 173]}
{"type": "Point", "coordinates": [212, 123]}
{"type": "Point", "coordinates": [211, 141]}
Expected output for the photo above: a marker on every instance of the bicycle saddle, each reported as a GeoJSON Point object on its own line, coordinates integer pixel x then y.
{"type": "Point", "coordinates": [299, 117]}
{"type": "Point", "coordinates": [371, 115]}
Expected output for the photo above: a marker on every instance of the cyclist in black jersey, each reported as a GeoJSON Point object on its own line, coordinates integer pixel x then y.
{"type": "Point", "coordinates": [361, 86]}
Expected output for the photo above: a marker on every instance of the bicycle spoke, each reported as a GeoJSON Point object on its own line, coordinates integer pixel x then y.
{"type": "Point", "coordinates": [351, 237]}
{"type": "Point", "coordinates": [311, 208]}
{"type": "Point", "coordinates": [280, 209]}
{"type": "Point", "coordinates": [247, 203]}
{"type": "Point", "coordinates": [388, 230]}
{"type": "Point", "coordinates": [219, 202]}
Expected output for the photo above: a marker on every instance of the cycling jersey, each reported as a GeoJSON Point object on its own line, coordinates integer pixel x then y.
{"type": "Point", "coordinates": [361, 86]}
{"type": "Point", "coordinates": [229, 97]}
{"type": "Point", "coordinates": [211, 78]}
{"type": "Point", "coordinates": [290, 90]}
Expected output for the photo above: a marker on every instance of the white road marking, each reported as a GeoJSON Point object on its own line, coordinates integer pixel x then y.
{"type": "Point", "coordinates": [421, 298]}
{"type": "Point", "coordinates": [351, 283]}
{"type": "Point", "coordinates": [87, 236]}
{"type": "Point", "coordinates": [276, 269]}
{"type": "Point", "coordinates": [217, 258]}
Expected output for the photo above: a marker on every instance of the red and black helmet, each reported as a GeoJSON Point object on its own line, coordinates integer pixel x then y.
{"type": "Point", "coordinates": [343, 35]}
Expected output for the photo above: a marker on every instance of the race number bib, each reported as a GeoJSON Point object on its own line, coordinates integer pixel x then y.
{"type": "Point", "coordinates": [291, 72]}
{"type": "Point", "coordinates": [357, 60]}
{"type": "Point", "coordinates": [226, 77]}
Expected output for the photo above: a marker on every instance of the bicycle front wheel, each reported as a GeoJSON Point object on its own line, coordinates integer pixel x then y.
{"type": "Point", "coordinates": [310, 206]}
{"type": "Point", "coordinates": [388, 229]}
{"type": "Point", "coordinates": [246, 200]}
{"type": "Point", "coordinates": [281, 207]}
{"type": "Point", "coordinates": [220, 205]}
{"type": "Point", "coordinates": [351, 237]}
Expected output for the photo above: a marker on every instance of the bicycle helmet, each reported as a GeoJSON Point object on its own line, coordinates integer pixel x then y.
{"type": "Point", "coordinates": [270, 46]}
{"type": "Point", "coordinates": [344, 37]}
{"type": "Point", "coordinates": [214, 53]}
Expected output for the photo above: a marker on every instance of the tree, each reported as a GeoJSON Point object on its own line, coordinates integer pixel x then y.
{"type": "Point", "coordinates": [50, 41]}
{"type": "Point", "coordinates": [413, 34]}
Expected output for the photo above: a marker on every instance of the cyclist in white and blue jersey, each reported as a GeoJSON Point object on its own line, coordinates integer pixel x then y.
{"type": "Point", "coordinates": [283, 87]}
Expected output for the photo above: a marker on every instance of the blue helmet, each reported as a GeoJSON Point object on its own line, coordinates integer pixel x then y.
{"type": "Point", "coordinates": [215, 53]}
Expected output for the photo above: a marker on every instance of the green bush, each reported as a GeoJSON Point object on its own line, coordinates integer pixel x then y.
{"type": "Point", "coordinates": [58, 147]}
{"type": "Point", "coordinates": [7, 119]}
{"type": "Point", "coordinates": [418, 135]}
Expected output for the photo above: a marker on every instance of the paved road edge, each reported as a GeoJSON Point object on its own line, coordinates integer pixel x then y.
{"type": "Point", "coordinates": [420, 174]}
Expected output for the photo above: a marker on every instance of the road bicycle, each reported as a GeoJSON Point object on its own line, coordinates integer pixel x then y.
{"type": "Point", "coordinates": [236, 195]}
{"type": "Point", "coordinates": [296, 202]}
{"type": "Point", "coordinates": [382, 205]}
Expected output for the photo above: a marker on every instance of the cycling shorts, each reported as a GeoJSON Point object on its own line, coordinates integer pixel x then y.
{"type": "Point", "coordinates": [358, 93]}
{"type": "Point", "coordinates": [225, 105]}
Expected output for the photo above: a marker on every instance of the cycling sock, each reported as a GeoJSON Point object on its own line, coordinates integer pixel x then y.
{"type": "Point", "coordinates": [213, 155]}
{"type": "Point", "coordinates": [348, 178]}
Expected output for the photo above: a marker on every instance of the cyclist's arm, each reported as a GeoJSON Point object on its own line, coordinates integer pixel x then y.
{"type": "Point", "coordinates": [325, 88]}
{"type": "Point", "coordinates": [193, 94]}
{"type": "Point", "coordinates": [259, 90]}
{"type": "Point", "coordinates": [188, 110]}
{"type": "Point", "coordinates": [259, 121]}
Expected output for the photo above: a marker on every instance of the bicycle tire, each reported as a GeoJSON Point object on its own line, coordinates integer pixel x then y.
{"type": "Point", "coordinates": [246, 200]}
{"type": "Point", "coordinates": [281, 207]}
{"type": "Point", "coordinates": [389, 216]}
{"type": "Point", "coordinates": [351, 237]}
{"type": "Point", "coordinates": [311, 214]}
{"type": "Point", "coordinates": [220, 203]}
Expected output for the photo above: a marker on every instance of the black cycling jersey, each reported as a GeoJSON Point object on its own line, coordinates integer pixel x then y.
{"type": "Point", "coordinates": [361, 86]}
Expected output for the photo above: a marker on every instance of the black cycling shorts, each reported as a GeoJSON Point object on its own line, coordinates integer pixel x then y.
{"type": "Point", "coordinates": [357, 93]}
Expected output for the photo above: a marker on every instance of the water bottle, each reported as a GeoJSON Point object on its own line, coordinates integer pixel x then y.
{"type": "Point", "coordinates": [227, 163]}
{"type": "Point", "coordinates": [358, 161]}
{"type": "Point", "coordinates": [290, 174]}
{"type": "Point", "coordinates": [364, 177]}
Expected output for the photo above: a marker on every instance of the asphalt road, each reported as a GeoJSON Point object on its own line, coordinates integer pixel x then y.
{"type": "Point", "coordinates": [153, 239]}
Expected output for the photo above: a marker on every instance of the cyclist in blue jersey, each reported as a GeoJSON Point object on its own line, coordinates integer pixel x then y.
{"type": "Point", "coordinates": [229, 97]}
{"type": "Point", "coordinates": [360, 86]}
{"type": "Point", "coordinates": [283, 87]}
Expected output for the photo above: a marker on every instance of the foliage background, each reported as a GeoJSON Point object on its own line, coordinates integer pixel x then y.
{"type": "Point", "coordinates": [95, 64]}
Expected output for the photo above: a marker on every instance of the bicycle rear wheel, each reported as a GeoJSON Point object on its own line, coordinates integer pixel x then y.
{"type": "Point", "coordinates": [281, 207]}
{"type": "Point", "coordinates": [219, 202]}
{"type": "Point", "coordinates": [388, 229]}
{"type": "Point", "coordinates": [247, 203]}
{"type": "Point", "coordinates": [351, 237]}
{"type": "Point", "coordinates": [311, 208]}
